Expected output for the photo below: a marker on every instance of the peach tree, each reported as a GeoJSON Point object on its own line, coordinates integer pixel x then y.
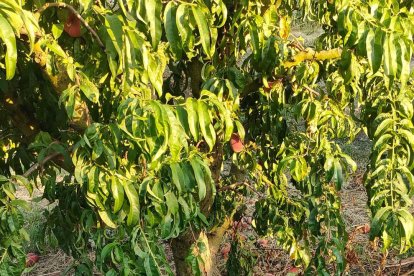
{"type": "Point", "coordinates": [148, 122]}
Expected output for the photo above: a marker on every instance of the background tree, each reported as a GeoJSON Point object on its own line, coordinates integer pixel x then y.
{"type": "Point", "coordinates": [127, 113]}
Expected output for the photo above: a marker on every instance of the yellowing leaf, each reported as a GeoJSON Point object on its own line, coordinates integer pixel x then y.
{"type": "Point", "coordinates": [284, 27]}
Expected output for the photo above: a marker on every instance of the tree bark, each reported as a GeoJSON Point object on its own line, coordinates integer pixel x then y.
{"type": "Point", "coordinates": [180, 247]}
{"type": "Point", "coordinates": [194, 71]}
{"type": "Point", "coordinates": [182, 244]}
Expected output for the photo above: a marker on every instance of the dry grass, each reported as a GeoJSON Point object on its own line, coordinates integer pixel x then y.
{"type": "Point", "coordinates": [51, 264]}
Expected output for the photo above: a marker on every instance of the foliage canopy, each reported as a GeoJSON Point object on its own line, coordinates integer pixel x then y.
{"type": "Point", "coordinates": [126, 125]}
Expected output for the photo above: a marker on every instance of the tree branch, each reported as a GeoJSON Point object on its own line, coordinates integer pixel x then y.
{"type": "Point", "coordinates": [404, 262]}
{"type": "Point", "coordinates": [40, 164]}
{"type": "Point", "coordinates": [48, 158]}
{"type": "Point", "coordinates": [75, 12]}
{"type": "Point", "coordinates": [310, 54]}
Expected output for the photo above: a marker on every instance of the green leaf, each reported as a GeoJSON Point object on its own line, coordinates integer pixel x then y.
{"type": "Point", "coordinates": [298, 168]}
{"type": "Point", "coordinates": [31, 26]}
{"type": "Point", "coordinates": [350, 161]}
{"type": "Point", "coordinates": [408, 136]}
{"type": "Point", "coordinates": [114, 28]}
{"type": "Point", "coordinates": [203, 29]}
{"type": "Point", "coordinates": [132, 195]}
{"type": "Point", "coordinates": [379, 219]}
{"type": "Point", "coordinates": [199, 176]}
{"type": "Point", "coordinates": [382, 141]}
{"type": "Point", "coordinates": [107, 249]}
{"type": "Point", "coordinates": [117, 193]}
{"type": "Point", "coordinates": [3, 179]}
{"type": "Point", "coordinates": [8, 37]}
{"type": "Point", "coordinates": [153, 8]}
{"type": "Point", "coordinates": [86, 4]}
{"type": "Point", "coordinates": [185, 208]}
{"type": "Point", "coordinates": [186, 33]}
{"type": "Point", "coordinates": [89, 89]}
{"type": "Point", "coordinates": [240, 130]}
{"type": "Point", "coordinates": [178, 137]}
{"type": "Point", "coordinates": [384, 127]}
{"type": "Point", "coordinates": [171, 29]}
{"type": "Point", "coordinates": [57, 49]}
{"type": "Point", "coordinates": [374, 44]}
{"type": "Point", "coordinates": [21, 180]}
{"type": "Point", "coordinates": [254, 37]}
{"type": "Point", "coordinates": [162, 130]}
{"type": "Point", "coordinates": [338, 175]}
{"type": "Point", "coordinates": [177, 176]}
{"type": "Point", "coordinates": [106, 218]}
{"type": "Point", "coordinates": [172, 203]}
{"type": "Point", "coordinates": [410, 177]}
{"type": "Point", "coordinates": [205, 124]}
{"type": "Point", "coordinates": [407, 221]}
{"type": "Point", "coordinates": [224, 114]}
{"type": "Point", "coordinates": [193, 120]}
{"type": "Point", "coordinates": [223, 9]}
{"type": "Point", "coordinates": [390, 56]}
{"type": "Point", "coordinates": [183, 118]}
{"type": "Point", "coordinates": [21, 203]}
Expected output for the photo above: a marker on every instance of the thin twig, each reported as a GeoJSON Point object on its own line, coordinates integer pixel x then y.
{"type": "Point", "coordinates": [235, 185]}
{"type": "Point", "coordinates": [382, 263]}
{"type": "Point", "coordinates": [402, 262]}
{"type": "Point", "coordinates": [44, 161]}
{"type": "Point", "coordinates": [75, 12]}
{"type": "Point", "coordinates": [311, 90]}
{"type": "Point", "coordinates": [40, 164]}
{"type": "Point", "coordinates": [408, 273]}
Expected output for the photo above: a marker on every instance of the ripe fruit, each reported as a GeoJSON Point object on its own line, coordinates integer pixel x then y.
{"type": "Point", "coordinates": [237, 225]}
{"type": "Point", "coordinates": [366, 229]}
{"type": "Point", "coordinates": [293, 271]}
{"type": "Point", "coordinates": [31, 259]}
{"type": "Point", "coordinates": [262, 242]}
{"type": "Point", "coordinates": [226, 249]}
{"type": "Point", "coordinates": [236, 143]}
{"type": "Point", "coordinates": [73, 26]}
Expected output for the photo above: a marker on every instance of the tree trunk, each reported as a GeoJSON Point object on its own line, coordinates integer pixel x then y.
{"type": "Point", "coordinates": [194, 71]}
{"type": "Point", "coordinates": [181, 245]}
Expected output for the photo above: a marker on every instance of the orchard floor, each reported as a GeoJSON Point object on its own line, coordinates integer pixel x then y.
{"type": "Point", "coordinates": [364, 257]}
